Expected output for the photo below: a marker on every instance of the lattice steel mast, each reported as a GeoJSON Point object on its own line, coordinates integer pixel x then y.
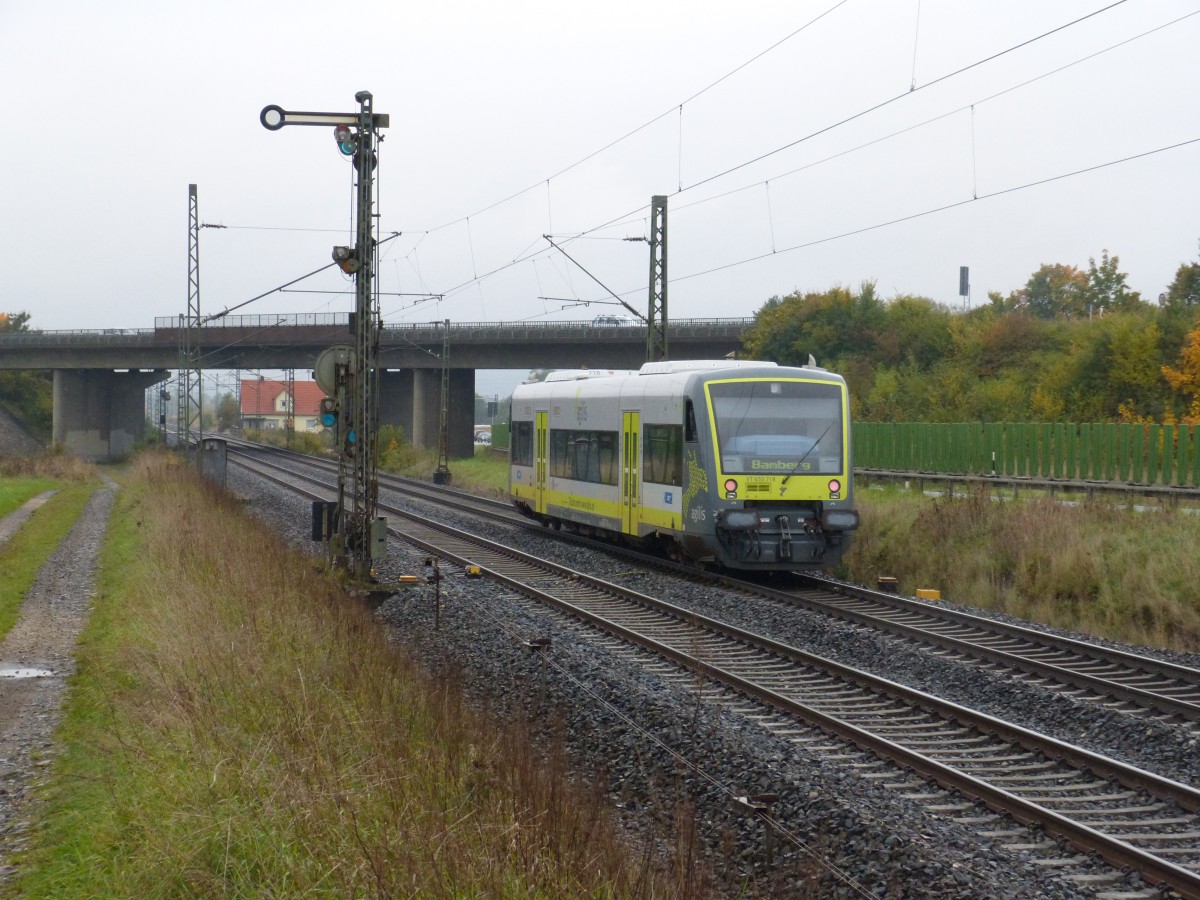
{"type": "Point", "coordinates": [656, 307]}
{"type": "Point", "coordinates": [188, 418]}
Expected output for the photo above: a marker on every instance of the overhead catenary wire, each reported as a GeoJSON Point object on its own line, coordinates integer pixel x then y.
{"type": "Point", "coordinates": [624, 137]}
{"type": "Point", "coordinates": [938, 209]}
{"type": "Point", "coordinates": [916, 37]}
{"type": "Point", "coordinates": [908, 93]}
{"type": "Point", "coordinates": [937, 118]}
{"type": "Point", "coordinates": [628, 217]}
{"type": "Point", "coordinates": [917, 215]}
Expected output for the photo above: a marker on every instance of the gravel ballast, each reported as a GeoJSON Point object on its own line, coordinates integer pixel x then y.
{"type": "Point", "coordinates": [666, 746]}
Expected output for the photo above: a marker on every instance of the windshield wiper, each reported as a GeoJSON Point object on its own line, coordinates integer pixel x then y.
{"type": "Point", "coordinates": [816, 443]}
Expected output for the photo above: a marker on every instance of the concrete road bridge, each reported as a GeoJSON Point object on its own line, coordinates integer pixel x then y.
{"type": "Point", "coordinates": [100, 376]}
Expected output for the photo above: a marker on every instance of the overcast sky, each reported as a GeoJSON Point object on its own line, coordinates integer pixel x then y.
{"type": "Point", "coordinates": [114, 108]}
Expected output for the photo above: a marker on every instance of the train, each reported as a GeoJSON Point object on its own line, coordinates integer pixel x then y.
{"type": "Point", "coordinates": [725, 464]}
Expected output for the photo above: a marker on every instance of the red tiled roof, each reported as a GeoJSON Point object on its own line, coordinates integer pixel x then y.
{"type": "Point", "coordinates": [258, 397]}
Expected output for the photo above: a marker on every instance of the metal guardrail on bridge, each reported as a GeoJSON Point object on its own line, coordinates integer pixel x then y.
{"type": "Point", "coordinates": [166, 327]}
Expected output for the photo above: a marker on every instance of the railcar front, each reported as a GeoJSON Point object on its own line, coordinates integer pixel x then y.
{"type": "Point", "coordinates": [769, 480]}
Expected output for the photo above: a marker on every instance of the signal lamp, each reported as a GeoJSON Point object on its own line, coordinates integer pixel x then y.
{"type": "Point", "coordinates": [835, 486]}
{"type": "Point", "coordinates": [346, 259]}
{"type": "Point", "coordinates": [328, 412]}
{"type": "Point", "coordinates": [346, 141]}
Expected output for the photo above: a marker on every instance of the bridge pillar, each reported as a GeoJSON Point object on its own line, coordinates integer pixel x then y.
{"type": "Point", "coordinates": [396, 399]}
{"type": "Point", "coordinates": [412, 399]}
{"type": "Point", "coordinates": [99, 414]}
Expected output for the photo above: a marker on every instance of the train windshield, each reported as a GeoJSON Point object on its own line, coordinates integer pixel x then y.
{"type": "Point", "coordinates": [778, 427]}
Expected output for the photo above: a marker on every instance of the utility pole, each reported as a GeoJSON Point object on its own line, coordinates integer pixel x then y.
{"type": "Point", "coordinates": [359, 535]}
{"type": "Point", "coordinates": [656, 307]}
{"type": "Point", "coordinates": [289, 421]}
{"type": "Point", "coordinates": [189, 422]}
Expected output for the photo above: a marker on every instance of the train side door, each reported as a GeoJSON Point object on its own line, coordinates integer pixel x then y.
{"type": "Point", "coordinates": [631, 472]}
{"type": "Point", "coordinates": [541, 459]}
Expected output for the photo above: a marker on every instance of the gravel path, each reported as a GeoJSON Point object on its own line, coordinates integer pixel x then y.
{"type": "Point", "coordinates": [36, 658]}
{"type": "Point", "coordinates": [18, 517]}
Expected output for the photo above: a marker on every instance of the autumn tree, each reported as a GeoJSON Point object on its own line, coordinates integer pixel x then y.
{"type": "Point", "coordinates": [1184, 377]}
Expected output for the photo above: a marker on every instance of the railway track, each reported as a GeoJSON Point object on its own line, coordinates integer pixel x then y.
{"type": "Point", "coordinates": [1130, 817]}
{"type": "Point", "coordinates": [1126, 682]}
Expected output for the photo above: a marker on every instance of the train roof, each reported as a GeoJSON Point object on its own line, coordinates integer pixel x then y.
{"type": "Point", "coordinates": [677, 373]}
{"type": "Point", "coordinates": [671, 367]}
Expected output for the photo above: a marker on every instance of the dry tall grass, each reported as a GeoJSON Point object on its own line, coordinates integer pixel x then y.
{"type": "Point", "coordinates": [241, 728]}
{"type": "Point", "coordinates": [52, 464]}
{"type": "Point", "coordinates": [1111, 571]}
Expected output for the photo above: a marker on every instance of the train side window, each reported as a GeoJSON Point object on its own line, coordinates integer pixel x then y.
{"type": "Point", "coordinates": [689, 419]}
{"type": "Point", "coordinates": [521, 446]}
{"type": "Point", "coordinates": [584, 455]}
{"type": "Point", "coordinates": [662, 454]}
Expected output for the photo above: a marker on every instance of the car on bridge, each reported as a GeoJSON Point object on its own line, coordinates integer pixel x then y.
{"type": "Point", "coordinates": [612, 320]}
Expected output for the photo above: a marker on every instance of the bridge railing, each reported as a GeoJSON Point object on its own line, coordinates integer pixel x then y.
{"type": "Point", "coordinates": [692, 326]}
{"type": "Point", "coordinates": [78, 336]}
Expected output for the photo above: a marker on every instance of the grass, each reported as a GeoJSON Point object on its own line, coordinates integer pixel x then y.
{"type": "Point", "coordinates": [23, 555]}
{"type": "Point", "coordinates": [485, 473]}
{"type": "Point", "coordinates": [237, 727]}
{"type": "Point", "coordinates": [15, 491]}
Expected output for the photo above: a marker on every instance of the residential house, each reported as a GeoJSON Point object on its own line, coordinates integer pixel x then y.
{"type": "Point", "coordinates": [265, 404]}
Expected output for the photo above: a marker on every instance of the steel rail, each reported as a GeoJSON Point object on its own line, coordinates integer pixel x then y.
{"type": "Point", "coordinates": [1117, 851]}
{"type": "Point", "coordinates": [1115, 686]}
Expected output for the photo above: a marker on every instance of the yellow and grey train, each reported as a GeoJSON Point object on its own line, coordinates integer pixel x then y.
{"type": "Point", "coordinates": [730, 464]}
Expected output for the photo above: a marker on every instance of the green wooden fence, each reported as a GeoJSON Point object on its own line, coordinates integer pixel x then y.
{"type": "Point", "coordinates": [1137, 454]}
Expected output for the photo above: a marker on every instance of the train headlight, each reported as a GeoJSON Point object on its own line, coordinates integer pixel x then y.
{"type": "Point", "coordinates": [839, 519]}
{"type": "Point", "coordinates": [835, 486]}
{"type": "Point", "coordinates": [740, 519]}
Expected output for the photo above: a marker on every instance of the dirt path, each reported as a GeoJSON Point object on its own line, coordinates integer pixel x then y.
{"type": "Point", "coordinates": [15, 519]}
{"type": "Point", "coordinates": [36, 658]}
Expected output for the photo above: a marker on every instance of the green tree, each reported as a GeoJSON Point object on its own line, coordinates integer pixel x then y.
{"type": "Point", "coordinates": [28, 396]}
{"type": "Point", "coordinates": [1107, 289]}
{"type": "Point", "coordinates": [1054, 291]}
{"type": "Point", "coordinates": [914, 330]}
{"type": "Point", "coordinates": [827, 326]}
{"type": "Point", "coordinates": [229, 414]}
{"type": "Point", "coordinates": [1184, 292]}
